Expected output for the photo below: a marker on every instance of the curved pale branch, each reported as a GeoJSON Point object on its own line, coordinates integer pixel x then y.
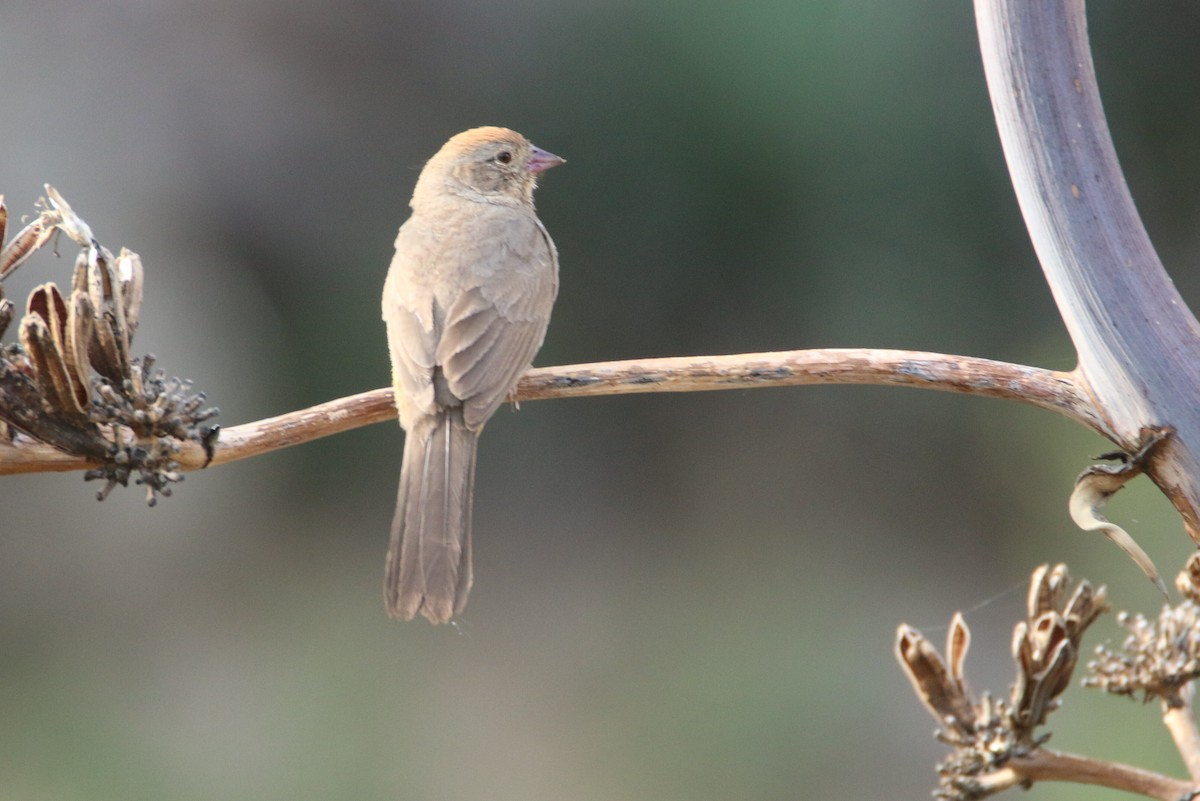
{"type": "Point", "coordinates": [1138, 344]}
{"type": "Point", "coordinates": [1046, 765]}
{"type": "Point", "coordinates": [1048, 389]}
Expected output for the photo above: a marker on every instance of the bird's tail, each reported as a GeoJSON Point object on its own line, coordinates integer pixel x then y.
{"type": "Point", "coordinates": [429, 560]}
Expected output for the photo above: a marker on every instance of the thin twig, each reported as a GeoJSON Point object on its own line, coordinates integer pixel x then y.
{"type": "Point", "coordinates": [1045, 765]}
{"type": "Point", "coordinates": [1048, 389]}
{"type": "Point", "coordinates": [1180, 720]}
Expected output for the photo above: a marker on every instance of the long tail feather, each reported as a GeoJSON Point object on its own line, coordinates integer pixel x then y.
{"type": "Point", "coordinates": [429, 560]}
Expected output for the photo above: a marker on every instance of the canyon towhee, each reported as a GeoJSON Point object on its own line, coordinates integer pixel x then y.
{"type": "Point", "coordinates": [466, 302]}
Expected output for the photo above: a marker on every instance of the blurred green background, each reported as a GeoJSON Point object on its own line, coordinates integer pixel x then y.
{"type": "Point", "coordinates": [683, 597]}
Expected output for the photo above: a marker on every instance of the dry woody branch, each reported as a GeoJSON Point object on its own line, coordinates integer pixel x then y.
{"type": "Point", "coordinates": [75, 398]}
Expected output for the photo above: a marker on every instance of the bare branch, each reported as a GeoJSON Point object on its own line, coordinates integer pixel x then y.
{"type": "Point", "coordinates": [1048, 389]}
{"type": "Point", "coordinates": [1044, 765]}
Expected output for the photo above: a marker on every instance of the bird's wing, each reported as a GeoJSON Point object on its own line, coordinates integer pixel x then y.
{"type": "Point", "coordinates": [408, 310]}
{"type": "Point", "coordinates": [497, 322]}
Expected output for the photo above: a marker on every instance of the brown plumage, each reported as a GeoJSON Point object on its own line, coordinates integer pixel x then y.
{"type": "Point", "coordinates": [466, 302]}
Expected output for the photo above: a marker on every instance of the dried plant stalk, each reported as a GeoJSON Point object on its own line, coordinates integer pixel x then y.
{"type": "Point", "coordinates": [72, 381]}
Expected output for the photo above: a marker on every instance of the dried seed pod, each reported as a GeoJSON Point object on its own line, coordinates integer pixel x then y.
{"type": "Point", "coordinates": [1035, 695]}
{"type": "Point", "coordinates": [1188, 580]}
{"type": "Point", "coordinates": [23, 245]}
{"type": "Point", "coordinates": [103, 353]}
{"type": "Point", "coordinates": [1045, 658]}
{"type": "Point", "coordinates": [129, 272]}
{"type": "Point", "coordinates": [1057, 674]}
{"type": "Point", "coordinates": [1046, 587]}
{"type": "Point", "coordinates": [79, 279]}
{"type": "Point", "coordinates": [1053, 653]}
{"type": "Point", "coordinates": [50, 371]}
{"type": "Point", "coordinates": [6, 313]}
{"type": "Point", "coordinates": [66, 324]}
{"type": "Point", "coordinates": [115, 289]}
{"type": "Point", "coordinates": [81, 320]}
{"type": "Point", "coordinates": [109, 348]}
{"type": "Point", "coordinates": [943, 695]}
{"type": "Point", "coordinates": [99, 277]}
{"type": "Point", "coordinates": [1084, 606]}
{"type": "Point", "coordinates": [958, 642]}
{"type": "Point", "coordinates": [47, 303]}
{"type": "Point", "coordinates": [1044, 634]}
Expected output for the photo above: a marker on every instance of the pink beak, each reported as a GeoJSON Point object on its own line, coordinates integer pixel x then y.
{"type": "Point", "coordinates": [542, 160]}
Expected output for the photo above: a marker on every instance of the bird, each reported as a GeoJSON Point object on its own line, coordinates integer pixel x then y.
{"type": "Point", "coordinates": [466, 304]}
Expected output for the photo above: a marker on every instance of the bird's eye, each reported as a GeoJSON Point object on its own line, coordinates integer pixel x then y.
{"type": "Point", "coordinates": [504, 157]}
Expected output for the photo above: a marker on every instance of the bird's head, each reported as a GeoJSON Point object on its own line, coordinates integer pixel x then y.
{"type": "Point", "coordinates": [490, 164]}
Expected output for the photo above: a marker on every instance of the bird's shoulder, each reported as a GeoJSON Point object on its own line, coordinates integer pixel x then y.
{"type": "Point", "coordinates": [465, 235]}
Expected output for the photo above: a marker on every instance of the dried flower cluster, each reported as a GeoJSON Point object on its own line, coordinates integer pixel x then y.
{"type": "Point", "coordinates": [1160, 657]}
{"type": "Point", "coordinates": [987, 732]}
{"type": "Point", "coordinates": [71, 382]}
